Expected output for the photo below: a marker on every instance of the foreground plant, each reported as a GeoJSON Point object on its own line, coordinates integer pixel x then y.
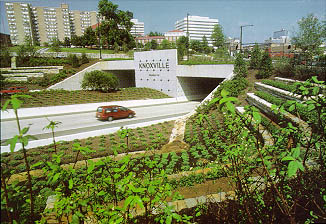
{"type": "Point", "coordinates": [15, 101]}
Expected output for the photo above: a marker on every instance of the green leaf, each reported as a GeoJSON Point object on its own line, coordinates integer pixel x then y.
{"type": "Point", "coordinates": [36, 164]}
{"type": "Point", "coordinates": [300, 166]}
{"type": "Point", "coordinates": [128, 201]}
{"type": "Point", "coordinates": [296, 152]}
{"type": "Point", "coordinates": [5, 105]}
{"type": "Point", "coordinates": [213, 101]}
{"type": "Point", "coordinates": [230, 107]}
{"type": "Point", "coordinates": [139, 201]}
{"type": "Point", "coordinates": [292, 107]}
{"type": "Point", "coordinates": [288, 158]}
{"type": "Point", "coordinates": [224, 93]}
{"type": "Point", "coordinates": [257, 117]}
{"type": "Point", "coordinates": [71, 183]}
{"type": "Point", "coordinates": [311, 107]}
{"type": "Point", "coordinates": [24, 130]}
{"type": "Point", "coordinates": [55, 177]}
{"type": "Point", "coordinates": [292, 168]}
{"type": "Point", "coordinates": [13, 142]}
{"type": "Point", "coordinates": [168, 219]}
{"type": "Point", "coordinates": [75, 219]}
{"type": "Point", "coordinates": [91, 166]}
{"type": "Point", "coordinates": [101, 193]}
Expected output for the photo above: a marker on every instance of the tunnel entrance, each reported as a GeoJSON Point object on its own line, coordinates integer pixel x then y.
{"type": "Point", "coordinates": [126, 77]}
{"type": "Point", "coordinates": [197, 88]}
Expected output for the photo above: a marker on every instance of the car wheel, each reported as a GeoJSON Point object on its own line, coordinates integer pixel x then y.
{"type": "Point", "coordinates": [110, 118]}
{"type": "Point", "coordinates": [130, 116]}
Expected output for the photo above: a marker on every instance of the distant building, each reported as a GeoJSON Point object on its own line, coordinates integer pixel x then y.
{"type": "Point", "coordinates": [138, 28]}
{"type": "Point", "coordinates": [42, 24]}
{"type": "Point", "coordinates": [147, 39]}
{"type": "Point", "coordinates": [174, 35]}
{"type": "Point", "coordinates": [198, 27]}
{"type": "Point", "coordinates": [279, 37]}
{"type": "Point", "coordinates": [5, 40]}
{"type": "Point", "coordinates": [280, 44]}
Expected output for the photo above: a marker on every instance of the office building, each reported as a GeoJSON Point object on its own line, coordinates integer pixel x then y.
{"type": "Point", "coordinates": [43, 24]}
{"type": "Point", "coordinates": [198, 27]}
{"type": "Point", "coordinates": [174, 35]}
{"type": "Point", "coordinates": [137, 29]}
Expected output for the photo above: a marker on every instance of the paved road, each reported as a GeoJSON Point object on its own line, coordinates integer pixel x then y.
{"type": "Point", "coordinates": [86, 122]}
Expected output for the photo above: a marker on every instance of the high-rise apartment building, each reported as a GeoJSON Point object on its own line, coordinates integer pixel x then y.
{"type": "Point", "coordinates": [137, 29]}
{"type": "Point", "coordinates": [43, 24]}
{"type": "Point", "coordinates": [198, 27]}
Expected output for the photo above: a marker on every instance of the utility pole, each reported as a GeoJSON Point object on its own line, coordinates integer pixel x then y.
{"type": "Point", "coordinates": [241, 36]}
{"type": "Point", "coordinates": [99, 36]}
{"type": "Point", "coordinates": [188, 37]}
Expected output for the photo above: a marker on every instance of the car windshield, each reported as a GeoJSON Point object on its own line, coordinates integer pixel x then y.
{"type": "Point", "coordinates": [100, 109]}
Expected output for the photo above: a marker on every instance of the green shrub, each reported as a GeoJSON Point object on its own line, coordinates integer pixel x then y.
{"type": "Point", "coordinates": [58, 77]}
{"type": "Point", "coordinates": [240, 66]}
{"type": "Point", "coordinates": [266, 67]}
{"type": "Point", "coordinates": [98, 80]}
{"type": "Point", "coordinates": [84, 59]}
{"type": "Point", "coordinates": [75, 61]}
{"type": "Point", "coordinates": [278, 84]}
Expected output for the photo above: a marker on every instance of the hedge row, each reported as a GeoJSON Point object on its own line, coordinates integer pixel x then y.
{"type": "Point", "coordinates": [279, 84]}
{"type": "Point", "coordinates": [301, 109]}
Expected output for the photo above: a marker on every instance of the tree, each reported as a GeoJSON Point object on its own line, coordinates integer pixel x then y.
{"type": "Point", "coordinates": [154, 44]}
{"type": "Point", "coordinates": [310, 36]}
{"type": "Point", "coordinates": [165, 44]}
{"type": "Point", "coordinates": [76, 40]}
{"type": "Point", "coordinates": [116, 25]}
{"type": "Point", "coordinates": [240, 66]}
{"type": "Point", "coordinates": [100, 81]}
{"type": "Point", "coordinates": [205, 48]}
{"type": "Point", "coordinates": [55, 45]}
{"type": "Point", "coordinates": [25, 52]}
{"type": "Point", "coordinates": [255, 57]}
{"type": "Point", "coordinates": [152, 34]}
{"type": "Point", "coordinates": [266, 66]}
{"type": "Point", "coordinates": [195, 45]}
{"type": "Point", "coordinates": [66, 42]}
{"type": "Point", "coordinates": [217, 36]}
{"type": "Point", "coordinates": [182, 45]}
{"type": "Point", "coordinates": [89, 37]}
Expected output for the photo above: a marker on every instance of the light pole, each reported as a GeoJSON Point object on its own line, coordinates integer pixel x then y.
{"type": "Point", "coordinates": [99, 36]}
{"type": "Point", "coordinates": [241, 36]}
{"type": "Point", "coordinates": [188, 37]}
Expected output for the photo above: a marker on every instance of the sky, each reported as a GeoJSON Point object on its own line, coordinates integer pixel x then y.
{"type": "Point", "coordinates": [266, 16]}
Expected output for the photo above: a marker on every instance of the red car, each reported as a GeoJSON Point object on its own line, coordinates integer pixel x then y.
{"type": "Point", "coordinates": [113, 112]}
{"type": "Point", "coordinates": [13, 90]}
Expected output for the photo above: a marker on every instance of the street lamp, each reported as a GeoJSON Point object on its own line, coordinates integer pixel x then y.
{"type": "Point", "coordinates": [99, 36]}
{"type": "Point", "coordinates": [241, 36]}
{"type": "Point", "coordinates": [188, 37]}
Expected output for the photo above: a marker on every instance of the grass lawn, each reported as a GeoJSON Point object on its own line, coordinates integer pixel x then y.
{"type": "Point", "coordinates": [86, 50]}
{"type": "Point", "coordinates": [15, 48]}
{"type": "Point", "coordinates": [63, 97]}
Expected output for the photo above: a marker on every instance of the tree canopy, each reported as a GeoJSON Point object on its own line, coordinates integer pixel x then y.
{"type": "Point", "coordinates": [116, 24]}
{"type": "Point", "coordinates": [217, 36]}
{"type": "Point", "coordinates": [255, 57]}
{"type": "Point", "coordinates": [151, 34]}
{"type": "Point", "coordinates": [310, 35]}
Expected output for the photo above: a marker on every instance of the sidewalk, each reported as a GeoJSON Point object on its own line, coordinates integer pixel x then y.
{"type": "Point", "coordinates": [25, 113]}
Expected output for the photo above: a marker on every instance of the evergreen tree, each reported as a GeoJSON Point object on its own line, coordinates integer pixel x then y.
{"type": "Point", "coordinates": [240, 66]}
{"type": "Point", "coordinates": [217, 36]}
{"type": "Point", "coordinates": [266, 66]}
{"type": "Point", "coordinates": [255, 57]}
{"type": "Point", "coordinates": [206, 49]}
